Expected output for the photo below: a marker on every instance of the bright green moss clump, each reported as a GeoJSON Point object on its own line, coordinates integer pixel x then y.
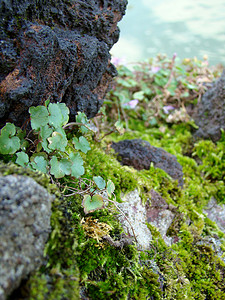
{"type": "Point", "coordinates": [98, 162]}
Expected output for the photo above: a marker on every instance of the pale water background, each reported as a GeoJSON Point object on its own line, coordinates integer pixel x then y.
{"type": "Point", "coordinates": [187, 27]}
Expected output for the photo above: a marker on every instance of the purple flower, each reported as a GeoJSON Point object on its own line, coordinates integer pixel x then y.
{"type": "Point", "coordinates": [118, 61]}
{"type": "Point", "coordinates": [174, 55]}
{"type": "Point", "coordinates": [167, 109]}
{"type": "Point", "coordinates": [155, 69]}
{"type": "Point", "coordinates": [132, 104]}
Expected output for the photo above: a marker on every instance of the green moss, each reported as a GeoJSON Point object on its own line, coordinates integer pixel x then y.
{"type": "Point", "coordinates": [191, 270]}
{"type": "Point", "coordinates": [113, 272]}
{"type": "Point", "coordinates": [62, 285]}
{"type": "Point", "coordinates": [98, 162]}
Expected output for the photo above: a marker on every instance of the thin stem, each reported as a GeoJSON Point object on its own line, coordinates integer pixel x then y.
{"type": "Point", "coordinates": [123, 215]}
{"type": "Point", "coordinates": [77, 124]}
{"type": "Point", "coordinates": [171, 73]}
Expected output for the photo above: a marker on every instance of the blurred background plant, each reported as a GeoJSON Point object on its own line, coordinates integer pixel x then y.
{"type": "Point", "coordinates": [159, 90]}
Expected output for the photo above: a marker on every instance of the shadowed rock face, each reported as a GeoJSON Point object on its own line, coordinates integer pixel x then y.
{"type": "Point", "coordinates": [210, 112]}
{"type": "Point", "coordinates": [56, 49]}
{"type": "Point", "coordinates": [139, 154]}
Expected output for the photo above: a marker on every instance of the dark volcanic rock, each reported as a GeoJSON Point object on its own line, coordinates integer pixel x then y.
{"type": "Point", "coordinates": [210, 112]}
{"type": "Point", "coordinates": [139, 154]}
{"type": "Point", "coordinates": [58, 50]}
{"type": "Point", "coordinates": [25, 210]}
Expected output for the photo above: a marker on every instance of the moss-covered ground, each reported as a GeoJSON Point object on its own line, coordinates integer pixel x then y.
{"type": "Point", "coordinates": [82, 265]}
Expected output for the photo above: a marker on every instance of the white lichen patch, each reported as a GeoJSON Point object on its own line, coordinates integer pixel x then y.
{"type": "Point", "coordinates": [136, 214]}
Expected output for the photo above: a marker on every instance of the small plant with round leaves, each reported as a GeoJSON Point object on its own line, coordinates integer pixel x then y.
{"type": "Point", "coordinates": [51, 152]}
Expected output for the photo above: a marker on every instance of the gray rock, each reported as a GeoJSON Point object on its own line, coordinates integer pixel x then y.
{"type": "Point", "coordinates": [155, 212]}
{"type": "Point", "coordinates": [216, 213]}
{"type": "Point", "coordinates": [210, 112]}
{"type": "Point", "coordinates": [25, 210]}
{"type": "Point", "coordinates": [139, 154]}
{"type": "Point", "coordinates": [134, 223]}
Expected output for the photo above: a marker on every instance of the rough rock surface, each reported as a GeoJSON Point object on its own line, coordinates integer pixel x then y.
{"type": "Point", "coordinates": [210, 112]}
{"type": "Point", "coordinates": [135, 212]}
{"type": "Point", "coordinates": [159, 214]}
{"type": "Point", "coordinates": [156, 212]}
{"type": "Point", "coordinates": [25, 210]}
{"type": "Point", "coordinates": [139, 154]}
{"type": "Point", "coordinates": [58, 50]}
{"type": "Point", "coordinates": [216, 213]}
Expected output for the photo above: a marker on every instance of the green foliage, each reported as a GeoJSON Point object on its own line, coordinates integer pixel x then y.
{"type": "Point", "coordinates": [100, 182]}
{"type": "Point", "coordinates": [81, 144]}
{"type": "Point", "coordinates": [77, 168]}
{"type": "Point", "coordinates": [22, 159]}
{"type": "Point", "coordinates": [9, 143]}
{"type": "Point", "coordinates": [212, 165]}
{"type": "Point", "coordinates": [95, 200]}
{"type": "Point", "coordinates": [162, 87]}
{"type": "Point", "coordinates": [39, 163]}
{"type": "Point", "coordinates": [110, 187]}
{"type": "Point", "coordinates": [212, 157]}
{"type": "Point", "coordinates": [92, 203]}
{"type": "Point", "coordinates": [39, 117]}
{"type": "Point", "coordinates": [55, 154]}
{"type": "Point", "coordinates": [98, 162]}
{"type": "Point", "coordinates": [82, 119]}
{"type": "Point", "coordinates": [58, 140]}
{"type": "Point", "coordinates": [60, 168]}
{"type": "Point", "coordinates": [48, 124]}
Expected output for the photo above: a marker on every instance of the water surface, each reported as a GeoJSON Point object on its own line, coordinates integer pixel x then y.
{"type": "Point", "coordinates": [187, 27]}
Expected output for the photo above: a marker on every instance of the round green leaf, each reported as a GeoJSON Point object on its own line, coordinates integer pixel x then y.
{"type": "Point", "coordinates": [60, 168]}
{"type": "Point", "coordinates": [82, 118]}
{"type": "Point", "coordinates": [81, 144]}
{"type": "Point", "coordinates": [40, 164]}
{"type": "Point", "coordinates": [77, 168]}
{"type": "Point", "coordinates": [65, 112]}
{"type": "Point", "coordinates": [58, 140]}
{"type": "Point", "coordinates": [100, 182]}
{"type": "Point", "coordinates": [22, 159]}
{"type": "Point", "coordinates": [110, 187]}
{"type": "Point", "coordinates": [9, 129]}
{"type": "Point", "coordinates": [39, 116]}
{"type": "Point", "coordinates": [55, 118]}
{"type": "Point", "coordinates": [9, 144]}
{"type": "Point", "coordinates": [93, 203]}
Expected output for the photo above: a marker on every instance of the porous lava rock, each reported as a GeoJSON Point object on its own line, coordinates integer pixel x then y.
{"type": "Point", "coordinates": [25, 211]}
{"type": "Point", "coordinates": [57, 50]}
{"type": "Point", "coordinates": [209, 114]}
{"type": "Point", "coordinates": [140, 154]}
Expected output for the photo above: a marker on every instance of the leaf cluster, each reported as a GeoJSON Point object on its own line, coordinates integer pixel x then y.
{"type": "Point", "coordinates": [94, 201]}
{"type": "Point", "coordinates": [53, 153]}
{"type": "Point", "coordinates": [162, 87]}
